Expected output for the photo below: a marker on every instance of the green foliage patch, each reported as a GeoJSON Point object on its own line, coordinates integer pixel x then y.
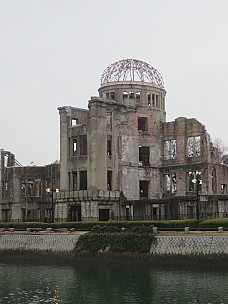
{"type": "Point", "coordinates": [122, 242]}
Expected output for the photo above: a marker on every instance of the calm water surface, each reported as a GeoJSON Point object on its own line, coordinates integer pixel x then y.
{"type": "Point", "coordinates": [96, 282]}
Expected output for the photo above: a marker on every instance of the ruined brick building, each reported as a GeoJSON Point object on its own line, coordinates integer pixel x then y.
{"type": "Point", "coordinates": [120, 159]}
{"type": "Point", "coordinates": [26, 191]}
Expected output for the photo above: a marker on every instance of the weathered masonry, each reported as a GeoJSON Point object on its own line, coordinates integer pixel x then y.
{"type": "Point", "coordinates": [121, 160]}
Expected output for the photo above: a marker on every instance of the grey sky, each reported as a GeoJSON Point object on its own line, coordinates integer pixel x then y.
{"type": "Point", "coordinates": [53, 52]}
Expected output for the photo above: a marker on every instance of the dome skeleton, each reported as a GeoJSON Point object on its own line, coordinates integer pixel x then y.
{"type": "Point", "coordinates": [131, 70]}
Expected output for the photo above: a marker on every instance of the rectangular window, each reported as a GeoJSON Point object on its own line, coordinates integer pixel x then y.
{"type": "Point", "coordinates": [144, 156]}
{"type": "Point", "coordinates": [74, 146]}
{"type": "Point", "coordinates": [214, 180]}
{"type": "Point", "coordinates": [109, 145]}
{"type": "Point", "coordinates": [142, 123]}
{"type": "Point", "coordinates": [109, 180]}
{"type": "Point", "coordinates": [149, 99]}
{"type": "Point", "coordinates": [125, 95]}
{"type": "Point", "coordinates": [109, 119]}
{"type": "Point", "coordinates": [83, 180]}
{"type": "Point", "coordinates": [37, 187]}
{"type": "Point", "coordinates": [74, 122]}
{"type": "Point", "coordinates": [194, 146]}
{"type": "Point", "coordinates": [74, 176]}
{"type": "Point", "coordinates": [170, 183]}
{"type": "Point", "coordinates": [30, 188]}
{"type": "Point", "coordinates": [23, 188]}
{"type": "Point", "coordinates": [223, 188]}
{"type": "Point", "coordinates": [157, 101]}
{"type": "Point", "coordinates": [112, 95]}
{"type": "Point", "coordinates": [170, 149]}
{"type": "Point", "coordinates": [153, 100]}
{"type": "Point", "coordinates": [137, 96]}
{"type": "Point", "coordinates": [143, 189]}
{"type": "Point", "coordinates": [131, 95]}
{"type": "Point", "coordinates": [194, 179]}
{"type": "Point", "coordinates": [107, 95]}
{"type": "Point", "coordinates": [83, 144]}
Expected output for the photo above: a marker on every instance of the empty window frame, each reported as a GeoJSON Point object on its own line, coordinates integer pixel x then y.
{"type": "Point", "coordinates": [131, 95]}
{"type": "Point", "coordinates": [74, 178]}
{"type": "Point", "coordinates": [214, 180]}
{"type": "Point", "coordinates": [107, 95]}
{"type": "Point", "coordinates": [23, 188]}
{"type": "Point", "coordinates": [223, 188]}
{"type": "Point", "coordinates": [109, 119]}
{"type": "Point", "coordinates": [30, 188]}
{"type": "Point", "coordinates": [112, 95]}
{"type": "Point", "coordinates": [157, 101]}
{"type": "Point", "coordinates": [142, 123]}
{"type": "Point", "coordinates": [153, 100]}
{"type": "Point", "coordinates": [83, 144]}
{"type": "Point", "coordinates": [194, 148]}
{"type": "Point", "coordinates": [137, 96]}
{"type": "Point", "coordinates": [149, 99]}
{"type": "Point", "coordinates": [170, 148]}
{"type": "Point", "coordinates": [37, 187]}
{"type": "Point", "coordinates": [83, 179]}
{"type": "Point", "coordinates": [109, 180]}
{"type": "Point", "coordinates": [74, 122]}
{"type": "Point", "coordinates": [144, 155]}
{"type": "Point", "coordinates": [109, 145]}
{"type": "Point", "coordinates": [170, 183]}
{"type": "Point", "coordinates": [125, 95]}
{"type": "Point", "coordinates": [74, 146]}
{"type": "Point", "coordinates": [192, 177]}
{"type": "Point", "coordinates": [5, 189]}
{"type": "Point", "coordinates": [143, 189]}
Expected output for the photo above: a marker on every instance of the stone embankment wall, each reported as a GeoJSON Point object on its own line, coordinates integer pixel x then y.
{"type": "Point", "coordinates": [165, 245]}
{"type": "Point", "coordinates": [38, 242]}
{"type": "Point", "coordinates": [190, 245]}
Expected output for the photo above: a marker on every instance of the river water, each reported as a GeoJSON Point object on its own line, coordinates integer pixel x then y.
{"type": "Point", "coordinates": [94, 281]}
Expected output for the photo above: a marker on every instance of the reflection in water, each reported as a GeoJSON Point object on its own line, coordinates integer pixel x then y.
{"type": "Point", "coordinates": [94, 282]}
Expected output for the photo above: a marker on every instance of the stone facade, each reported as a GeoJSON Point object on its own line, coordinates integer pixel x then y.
{"type": "Point", "coordinates": [121, 160]}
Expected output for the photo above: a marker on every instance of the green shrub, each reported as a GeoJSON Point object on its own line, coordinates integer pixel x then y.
{"type": "Point", "coordinates": [115, 242]}
{"type": "Point", "coordinates": [214, 223]}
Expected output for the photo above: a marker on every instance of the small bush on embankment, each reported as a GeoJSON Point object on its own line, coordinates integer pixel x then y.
{"type": "Point", "coordinates": [115, 240]}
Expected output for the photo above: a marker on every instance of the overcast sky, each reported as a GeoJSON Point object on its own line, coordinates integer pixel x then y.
{"type": "Point", "coordinates": [53, 52]}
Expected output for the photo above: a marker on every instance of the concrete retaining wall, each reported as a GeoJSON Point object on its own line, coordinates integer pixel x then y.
{"type": "Point", "coordinates": [39, 242]}
{"type": "Point", "coordinates": [165, 245]}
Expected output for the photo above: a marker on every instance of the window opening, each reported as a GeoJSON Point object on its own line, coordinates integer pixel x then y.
{"type": "Point", "coordinates": [170, 149]}
{"type": "Point", "coordinates": [143, 189]}
{"type": "Point", "coordinates": [137, 96]}
{"type": "Point", "coordinates": [74, 146]}
{"type": "Point", "coordinates": [23, 188]}
{"type": "Point", "coordinates": [131, 95]}
{"type": "Point", "coordinates": [74, 176]}
{"type": "Point", "coordinates": [192, 177]}
{"type": "Point", "coordinates": [107, 95]}
{"type": "Point", "coordinates": [142, 123]}
{"type": "Point", "coordinates": [214, 182]}
{"type": "Point", "coordinates": [30, 186]}
{"type": "Point", "coordinates": [157, 104]}
{"type": "Point", "coordinates": [37, 187]}
{"type": "Point", "coordinates": [170, 183]}
{"type": "Point", "coordinates": [74, 122]}
{"type": "Point", "coordinates": [153, 100]}
{"type": "Point", "coordinates": [194, 146]}
{"type": "Point", "coordinates": [223, 188]}
{"type": "Point", "coordinates": [109, 145]}
{"type": "Point", "coordinates": [125, 95]}
{"type": "Point", "coordinates": [149, 99]}
{"type": "Point", "coordinates": [83, 180]}
{"type": "Point", "coordinates": [109, 180]}
{"type": "Point", "coordinates": [83, 144]}
{"type": "Point", "coordinates": [112, 95]}
{"type": "Point", "coordinates": [144, 155]}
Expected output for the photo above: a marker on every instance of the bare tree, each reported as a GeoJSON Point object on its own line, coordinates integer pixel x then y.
{"type": "Point", "coordinates": [222, 150]}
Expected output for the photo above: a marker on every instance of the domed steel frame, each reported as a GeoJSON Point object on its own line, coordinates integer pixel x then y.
{"type": "Point", "coordinates": [131, 70]}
